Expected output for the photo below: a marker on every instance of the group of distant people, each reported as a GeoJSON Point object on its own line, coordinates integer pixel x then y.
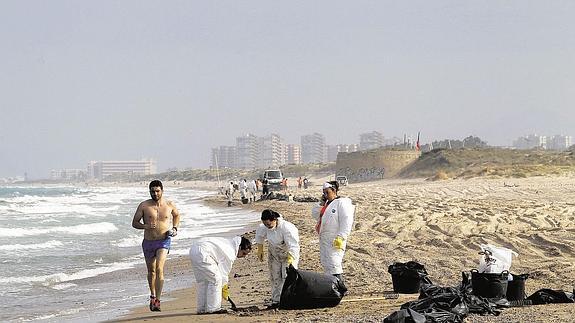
{"type": "Point", "coordinates": [212, 257]}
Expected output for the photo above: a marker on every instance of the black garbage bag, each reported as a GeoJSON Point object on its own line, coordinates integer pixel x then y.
{"type": "Point", "coordinates": [408, 277]}
{"type": "Point", "coordinates": [516, 287]}
{"type": "Point", "coordinates": [306, 289]}
{"type": "Point", "coordinates": [549, 296]}
{"type": "Point", "coordinates": [439, 304]}
{"type": "Point", "coordinates": [405, 315]}
{"type": "Point", "coordinates": [475, 304]}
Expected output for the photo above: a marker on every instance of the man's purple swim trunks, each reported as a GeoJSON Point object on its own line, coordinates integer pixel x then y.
{"type": "Point", "coordinates": [151, 246]}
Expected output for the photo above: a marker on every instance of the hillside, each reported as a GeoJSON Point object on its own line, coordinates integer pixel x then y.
{"type": "Point", "coordinates": [474, 162]}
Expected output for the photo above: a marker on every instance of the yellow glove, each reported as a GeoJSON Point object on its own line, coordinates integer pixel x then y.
{"type": "Point", "coordinates": [338, 243]}
{"type": "Point", "coordinates": [260, 252]}
{"type": "Point", "coordinates": [289, 259]}
{"type": "Point", "coordinates": [225, 292]}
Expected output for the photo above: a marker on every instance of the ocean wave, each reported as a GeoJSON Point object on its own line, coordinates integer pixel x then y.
{"type": "Point", "coordinates": [81, 229]}
{"type": "Point", "coordinates": [46, 245]}
{"type": "Point", "coordinates": [55, 279]}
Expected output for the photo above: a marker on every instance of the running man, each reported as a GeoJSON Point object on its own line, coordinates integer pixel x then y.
{"type": "Point", "coordinates": [160, 220]}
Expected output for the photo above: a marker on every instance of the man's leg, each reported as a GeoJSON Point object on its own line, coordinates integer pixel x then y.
{"type": "Point", "coordinates": [161, 256]}
{"type": "Point", "coordinates": [151, 266]}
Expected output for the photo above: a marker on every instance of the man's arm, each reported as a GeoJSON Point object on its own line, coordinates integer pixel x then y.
{"type": "Point", "coordinates": [136, 221]}
{"type": "Point", "coordinates": [175, 217]}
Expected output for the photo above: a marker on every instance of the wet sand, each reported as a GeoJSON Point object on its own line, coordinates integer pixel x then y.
{"type": "Point", "coordinates": [439, 224]}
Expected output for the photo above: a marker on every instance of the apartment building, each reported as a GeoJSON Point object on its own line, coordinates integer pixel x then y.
{"type": "Point", "coordinates": [105, 169]}
{"type": "Point", "coordinates": [293, 154]}
{"type": "Point", "coordinates": [559, 142]}
{"type": "Point", "coordinates": [224, 157]}
{"type": "Point", "coordinates": [247, 151]}
{"type": "Point", "coordinates": [271, 152]}
{"type": "Point", "coordinates": [313, 149]}
{"type": "Point", "coordinates": [530, 142]}
{"type": "Point", "coordinates": [370, 140]}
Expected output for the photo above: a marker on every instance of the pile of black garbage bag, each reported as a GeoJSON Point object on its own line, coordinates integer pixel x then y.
{"type": "Point", "coordinates": [453, 304]}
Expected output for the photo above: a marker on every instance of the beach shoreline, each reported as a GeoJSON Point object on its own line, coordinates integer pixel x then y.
{"type": "Point", "coordinates": [402, 220]}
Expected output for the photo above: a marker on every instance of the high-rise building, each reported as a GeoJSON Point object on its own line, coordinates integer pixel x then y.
{"type": "Point", "coordinates": [530, 142]}
{"type": "Point", "coordinates": [224, 157]}
{"type": "Point", "coordinates": [293, 154]}
{"type": "Point", "coordinates": [313, 149]}
{"type": "Point", "coordinates": [247, 151]}
{"type": "Point", "coordinates": [271, 152]}
{"type": "Point", "coordinates": [104, 169]}
{"type": "Point", "coordinates": [559, 142]}
{"type": "Point", "coordinates": [371, 140]}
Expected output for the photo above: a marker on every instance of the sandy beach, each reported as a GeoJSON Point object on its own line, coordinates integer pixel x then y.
{"type": "Point", "coordinates": [439, 224]}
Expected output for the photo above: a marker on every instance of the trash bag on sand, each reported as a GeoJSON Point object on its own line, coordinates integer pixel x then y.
{"type": "Point", "coordinates": [305, 289]}
{"type": "Point", "coordinates": [439, 304]}
{"type": "Point", "coordinates": [549, 296]}
{"type": "Point", "coordinates": [405, 316]}
{"type": "Point", "coordinates": [408, 277]}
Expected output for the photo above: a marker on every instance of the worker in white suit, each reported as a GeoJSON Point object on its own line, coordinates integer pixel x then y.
{"type": "Point", "coordinates": [283, 249]}
{"type": "Point", "coordinates": [212, 259]}
{"type": "Point", "coordinates": [334, 220]}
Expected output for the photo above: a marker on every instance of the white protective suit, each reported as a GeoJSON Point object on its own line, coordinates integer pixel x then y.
{"type": "Point", "coordinates": [337, 220]}
{"type": "Point", "coordinates": [212, 260]}
{"type": "Point", "coordinates": [252, 188]}
{"type": "Point", "coordinates": [243, 186]}
{"type": "Point", "coordinates": [282, 239]}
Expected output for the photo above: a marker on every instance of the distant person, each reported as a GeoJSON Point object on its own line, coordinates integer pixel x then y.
{"type": "Point", "coordinates": [265, 187]}
{"type": "Point", "coordinates": [159, 218]}
{"type": "Point", "coordinates": [334, 216]}
{"type": "Point", "coordinates": [252, 191]}
{"type": "Point", "coordinates": [299, 183]}
{"type": "Point", "coordinates": [258, 184]}
{"type": "Point", "coordinates": [212, 259]}
{"type": "Point", "coordinates": [243, 186]}
{"type": "Point", "coordinates": [305, 183]}
{"type": "Point", "coordinates": [283, 249]}
{"type": "Point", "coordinates": [230, 193]}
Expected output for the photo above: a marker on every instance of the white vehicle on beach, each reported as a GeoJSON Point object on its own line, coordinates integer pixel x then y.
{"type": "Point", "coordinates": [274, 178]}
{"type": "Point", "coordinates": [342, 180]}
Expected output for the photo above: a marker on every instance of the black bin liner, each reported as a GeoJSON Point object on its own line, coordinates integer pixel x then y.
{"type": "Point", "coordinates": [551, 296]}
{"type": "Point", "coordinates": [306, 289]}
{"type": "Point", "coordinates": [489, 285]}
{"type": "Point", "coordinates": [408, 277]}
{"type": "Point", "coordinates": [516, 287]}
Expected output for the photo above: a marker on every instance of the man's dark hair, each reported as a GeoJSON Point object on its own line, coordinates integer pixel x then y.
{"type": "Point", "coordinates": [245, 244]}
{"type": "Point", "coordinates": [269, 215]}
{"type": "Point", "coordinates": [335, 185]}
{"type": "Point", "coordinates": [156, 183]}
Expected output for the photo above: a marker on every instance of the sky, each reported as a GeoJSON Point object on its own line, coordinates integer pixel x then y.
{"type": "Point", "coordinates": [169, 80]}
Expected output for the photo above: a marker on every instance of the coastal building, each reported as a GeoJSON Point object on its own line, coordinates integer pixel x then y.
{"type": "Point", "coordinates": [271, 152]}
{"type": "Point", "coordinates": [102, 170]}
{"type": "Point", "coordinates": [247, 151]}
{"type": "Point", "coordinates": [224, 157]}
{"type": "Point", "coordinates": [313, 149]}
{"type": "Point", "coordinates": [370, 140]}
{"type": "Point", "coordinates": [293, 154]}
{"type": "Point", "coordinates": [530, 142]}
{"type": "Point", "coordinates": [332, 151]}
{"type": "Point", "coordinates": [559, 142]}
{"type": "Point", "coordinates": [68, 174]}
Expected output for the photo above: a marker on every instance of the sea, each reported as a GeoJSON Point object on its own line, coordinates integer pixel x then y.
{"type": "Point", "coordinates": [64, 247]}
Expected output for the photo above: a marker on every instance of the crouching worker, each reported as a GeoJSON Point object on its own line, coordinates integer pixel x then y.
{"type": "Point", "coordinates": [212, 259]}
{"type": "Point", "coordinates": [283, 242]}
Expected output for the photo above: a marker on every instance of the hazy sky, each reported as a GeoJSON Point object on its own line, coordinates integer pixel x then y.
{"type": "Point", "coordinates": [104, 80]}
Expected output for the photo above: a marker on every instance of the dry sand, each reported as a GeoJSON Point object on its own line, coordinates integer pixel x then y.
{"type": "Point", "coordinates": [439, 224]}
